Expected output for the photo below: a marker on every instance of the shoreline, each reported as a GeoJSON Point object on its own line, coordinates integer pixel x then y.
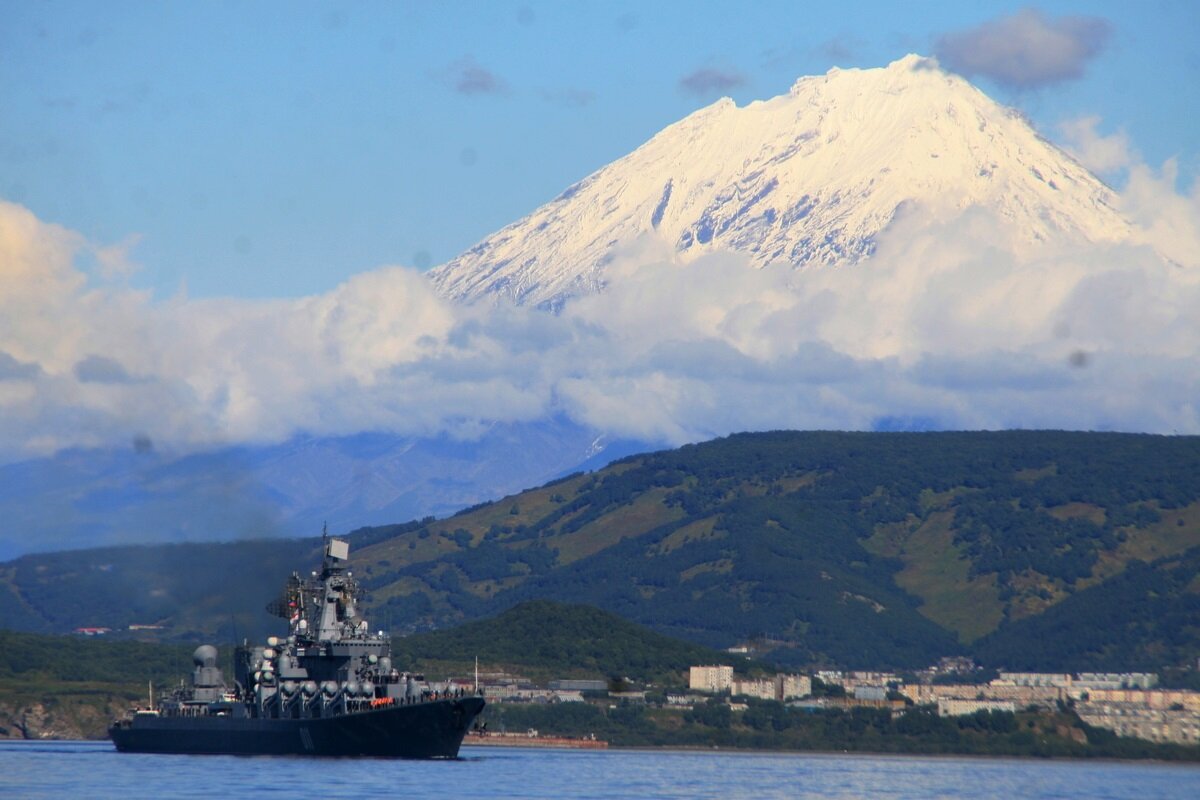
{"type": "Point", "coordinates": [525, 740]}
{"type": "Point", "coordinates": [757, 752]}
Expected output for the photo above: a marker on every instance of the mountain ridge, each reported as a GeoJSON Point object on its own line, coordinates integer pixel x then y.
{"type": "Point", "coordinates": [96, 498]}
{"type": "Point", "coordinates": [857, 549]}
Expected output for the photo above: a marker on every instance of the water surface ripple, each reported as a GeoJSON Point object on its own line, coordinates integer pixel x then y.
{"type": "Point", "coordinates": [95, 769]}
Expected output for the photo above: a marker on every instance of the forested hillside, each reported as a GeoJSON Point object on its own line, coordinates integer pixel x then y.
{"type": "Point", "coordinates": [69, 687]}
{"type": "Point", "coordinates": [855, 549]}
{"type": "Point", "coordinates": [545, 640]}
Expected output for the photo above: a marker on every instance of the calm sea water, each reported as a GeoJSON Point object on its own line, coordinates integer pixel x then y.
{"type": "Point", "coordinates": [95, 769]}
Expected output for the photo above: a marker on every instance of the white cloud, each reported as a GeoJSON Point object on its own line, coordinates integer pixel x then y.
{"type": "Point", "coordinates": [1167, 220]}
{"type": "Point", "coordinates": [1100, 154]}
{"type": "Point", "coordinates": [943, 327]}
{"type": "Point", "coordinates": [116, 260]}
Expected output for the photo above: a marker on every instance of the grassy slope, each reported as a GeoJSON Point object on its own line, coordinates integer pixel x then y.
{"type": "Point", "coordinates": [937, 572]}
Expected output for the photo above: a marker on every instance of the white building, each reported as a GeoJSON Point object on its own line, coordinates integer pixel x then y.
{"type": "Point", "coordinates": [1081, 682]}
{"type": "Point", "coordinates": [1033, 679]}
{"type": "Point", "coordinates": [1115, 680]}
{"type": "Point", "coordinates": [950, 707]}
{"type": "Point", "coordinates": [1156, 725]}
{"type": "Point", "coordinates": [716, 678]}
{"type": "Point", "coordinates": [831, 677]}
{"type": "Point", "coordinates": [865, 678]}
{"type": "Point", "coordinates": [763, 688]}
{"type": "Point", "coordinates": [791, 686]}
{"type": "Point", "coordinates": [780, 687]}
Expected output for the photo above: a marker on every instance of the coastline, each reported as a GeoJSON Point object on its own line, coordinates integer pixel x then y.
{"type": "Point", "coordinates": [872, 754]}
{"type": "Point", "coordinates": [527, 740]}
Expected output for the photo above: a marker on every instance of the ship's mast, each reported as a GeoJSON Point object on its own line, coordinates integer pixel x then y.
{"type": "Point", "coordinates": [337, 617]}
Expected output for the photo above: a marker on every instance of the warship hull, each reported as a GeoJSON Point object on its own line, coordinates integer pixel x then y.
{"type": "Point", "coordinates": [423, 730]}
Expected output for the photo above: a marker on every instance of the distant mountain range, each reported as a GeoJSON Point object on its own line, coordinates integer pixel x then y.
{"type": "Point", "coordinates": [97, 498]}
{"type": "Point", "coordinates": [1068, 551]}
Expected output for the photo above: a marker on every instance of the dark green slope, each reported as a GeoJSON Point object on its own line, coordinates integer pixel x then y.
{"type": "Point", "coordinates": [1146, 617]}
{"type": "Point", "coordinates": [561, 640]}
{"type": "Point", "coordinates": [38, 658]}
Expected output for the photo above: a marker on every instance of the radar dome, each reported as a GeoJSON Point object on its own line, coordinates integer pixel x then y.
{"type": "Point", "coordinates": [205, 656]}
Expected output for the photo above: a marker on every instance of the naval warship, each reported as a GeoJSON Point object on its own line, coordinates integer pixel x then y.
{"type": "Point", "coordinates": [329, 688]}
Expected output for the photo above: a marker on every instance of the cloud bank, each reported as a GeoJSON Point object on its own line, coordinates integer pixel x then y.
{"type": "Point", "coordinates": [943, 327]}
{"type": "Point", "coordinates": [1026, 50]}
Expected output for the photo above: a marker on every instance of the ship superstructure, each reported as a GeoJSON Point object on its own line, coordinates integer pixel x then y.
{"type": "Point", "coordinates": [328, 687]}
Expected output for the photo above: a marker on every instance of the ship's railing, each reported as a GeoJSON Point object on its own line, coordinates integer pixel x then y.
{"type": "Point", "coordinates": [277, 707]}
{"type": "Point", "coordinates": [188, 711]}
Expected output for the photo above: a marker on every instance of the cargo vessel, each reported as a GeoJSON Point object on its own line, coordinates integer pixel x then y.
{"type": "Point", "coordinates": [327, 688]}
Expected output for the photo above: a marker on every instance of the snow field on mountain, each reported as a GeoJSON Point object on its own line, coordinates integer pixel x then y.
{"type": "Point", "coordinates": [809, 178]}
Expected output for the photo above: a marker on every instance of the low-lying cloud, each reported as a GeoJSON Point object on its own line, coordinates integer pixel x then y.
{"type": "Point", "coordinates": [1026, 50]}
{"type": "Point", "coordinates": [942, 327]}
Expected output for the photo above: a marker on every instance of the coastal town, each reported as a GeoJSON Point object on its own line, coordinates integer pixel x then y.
{"type": "Point", "coordinates": [1130, 704]}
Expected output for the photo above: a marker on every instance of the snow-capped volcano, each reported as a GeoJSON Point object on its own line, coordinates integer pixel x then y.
{"type": "Point", "coordinates": [806, 178]}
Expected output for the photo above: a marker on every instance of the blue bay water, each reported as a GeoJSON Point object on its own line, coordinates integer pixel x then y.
{"type": "Point", "coordinates": [95, 769]}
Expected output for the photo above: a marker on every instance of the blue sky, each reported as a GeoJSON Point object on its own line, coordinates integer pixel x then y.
{"type": "Point", "coordinates": [266, 150]}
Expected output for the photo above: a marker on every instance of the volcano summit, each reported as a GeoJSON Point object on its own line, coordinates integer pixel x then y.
{"type": "Point", "coordinates": [808, 178]}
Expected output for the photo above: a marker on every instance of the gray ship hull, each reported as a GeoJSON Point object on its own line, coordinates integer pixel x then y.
{"type": "Point", "coordinates": [424, 730]}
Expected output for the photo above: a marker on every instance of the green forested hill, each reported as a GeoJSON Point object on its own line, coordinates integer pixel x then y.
{"type": "Point", "coordinates": [32, 657]}
{"type": "Point", "coordinates": [72, 687]}
{"type": "Point", "coordinates": [857, 549]}
{"type": "Point", "coordinates": [545, 640]}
